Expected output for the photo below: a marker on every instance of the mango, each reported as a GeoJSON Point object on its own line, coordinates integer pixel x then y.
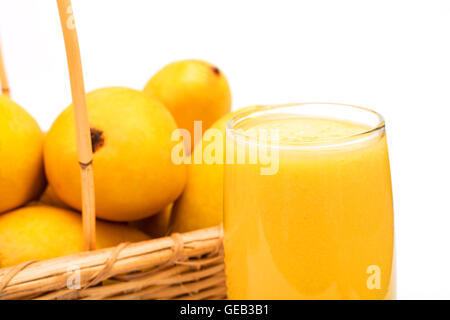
{"type": "Point", "coordinates": [134, 174]}
{"type": "Point", "coordinates": [43, 232]}
{"type": "Point", "coordinates": [21, 164]}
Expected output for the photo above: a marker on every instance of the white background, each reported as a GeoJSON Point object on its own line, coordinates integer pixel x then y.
{"type": "Point", "coordinates": [392, 56]}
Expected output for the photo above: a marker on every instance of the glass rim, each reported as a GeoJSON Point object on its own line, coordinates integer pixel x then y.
{"type": "Point", "coordinates": [244, 114]}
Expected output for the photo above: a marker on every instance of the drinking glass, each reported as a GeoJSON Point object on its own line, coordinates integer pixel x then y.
{"type": "Point", "coordinates": [308, 204]}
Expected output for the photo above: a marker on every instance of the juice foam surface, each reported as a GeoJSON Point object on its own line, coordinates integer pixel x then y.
{"type": "Point", "coordinates": [305, 129]}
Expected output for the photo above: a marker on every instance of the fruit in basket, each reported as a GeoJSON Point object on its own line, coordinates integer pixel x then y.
{"type": "Point", "coordinates": [201, 204]}
{"type": "Point", "coordinates": [21, 167]}
{"type": "Point", "coordinates": [191, 90]}
{"type": "Point", "coordinates": [50, 198]}
{"type": "Point", "coordinates": [45, 232]}
{"type": "Point", "coordinates": [157, 225]}
{"type": "Point", "coordinates": [134, 175]}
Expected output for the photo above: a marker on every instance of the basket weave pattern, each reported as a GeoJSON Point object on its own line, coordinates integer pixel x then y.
{"type": "Point", "coordinates": [182, 266]}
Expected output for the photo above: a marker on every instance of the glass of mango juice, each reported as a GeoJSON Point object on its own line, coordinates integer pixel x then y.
{"type": "Point", "coordinates": [308, 208]}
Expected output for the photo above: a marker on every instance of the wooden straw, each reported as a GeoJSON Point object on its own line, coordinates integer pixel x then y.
{"type": "Point", "coordinates": [3, 78]}
{"type": "Point", "coordinates": [83, 134]}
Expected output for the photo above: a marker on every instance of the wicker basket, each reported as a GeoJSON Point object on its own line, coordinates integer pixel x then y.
{"type": "Point", "coordinates": [182, 266]}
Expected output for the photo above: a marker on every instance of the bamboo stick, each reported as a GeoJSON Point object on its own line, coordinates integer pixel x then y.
{"type": "Point", "coordinates": [3, 78]}
{"type": "Point", "coordinates": [83, 134]}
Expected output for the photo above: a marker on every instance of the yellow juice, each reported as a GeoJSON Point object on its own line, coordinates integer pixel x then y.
{"type": "Point", "coordinates": [321, 227]}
